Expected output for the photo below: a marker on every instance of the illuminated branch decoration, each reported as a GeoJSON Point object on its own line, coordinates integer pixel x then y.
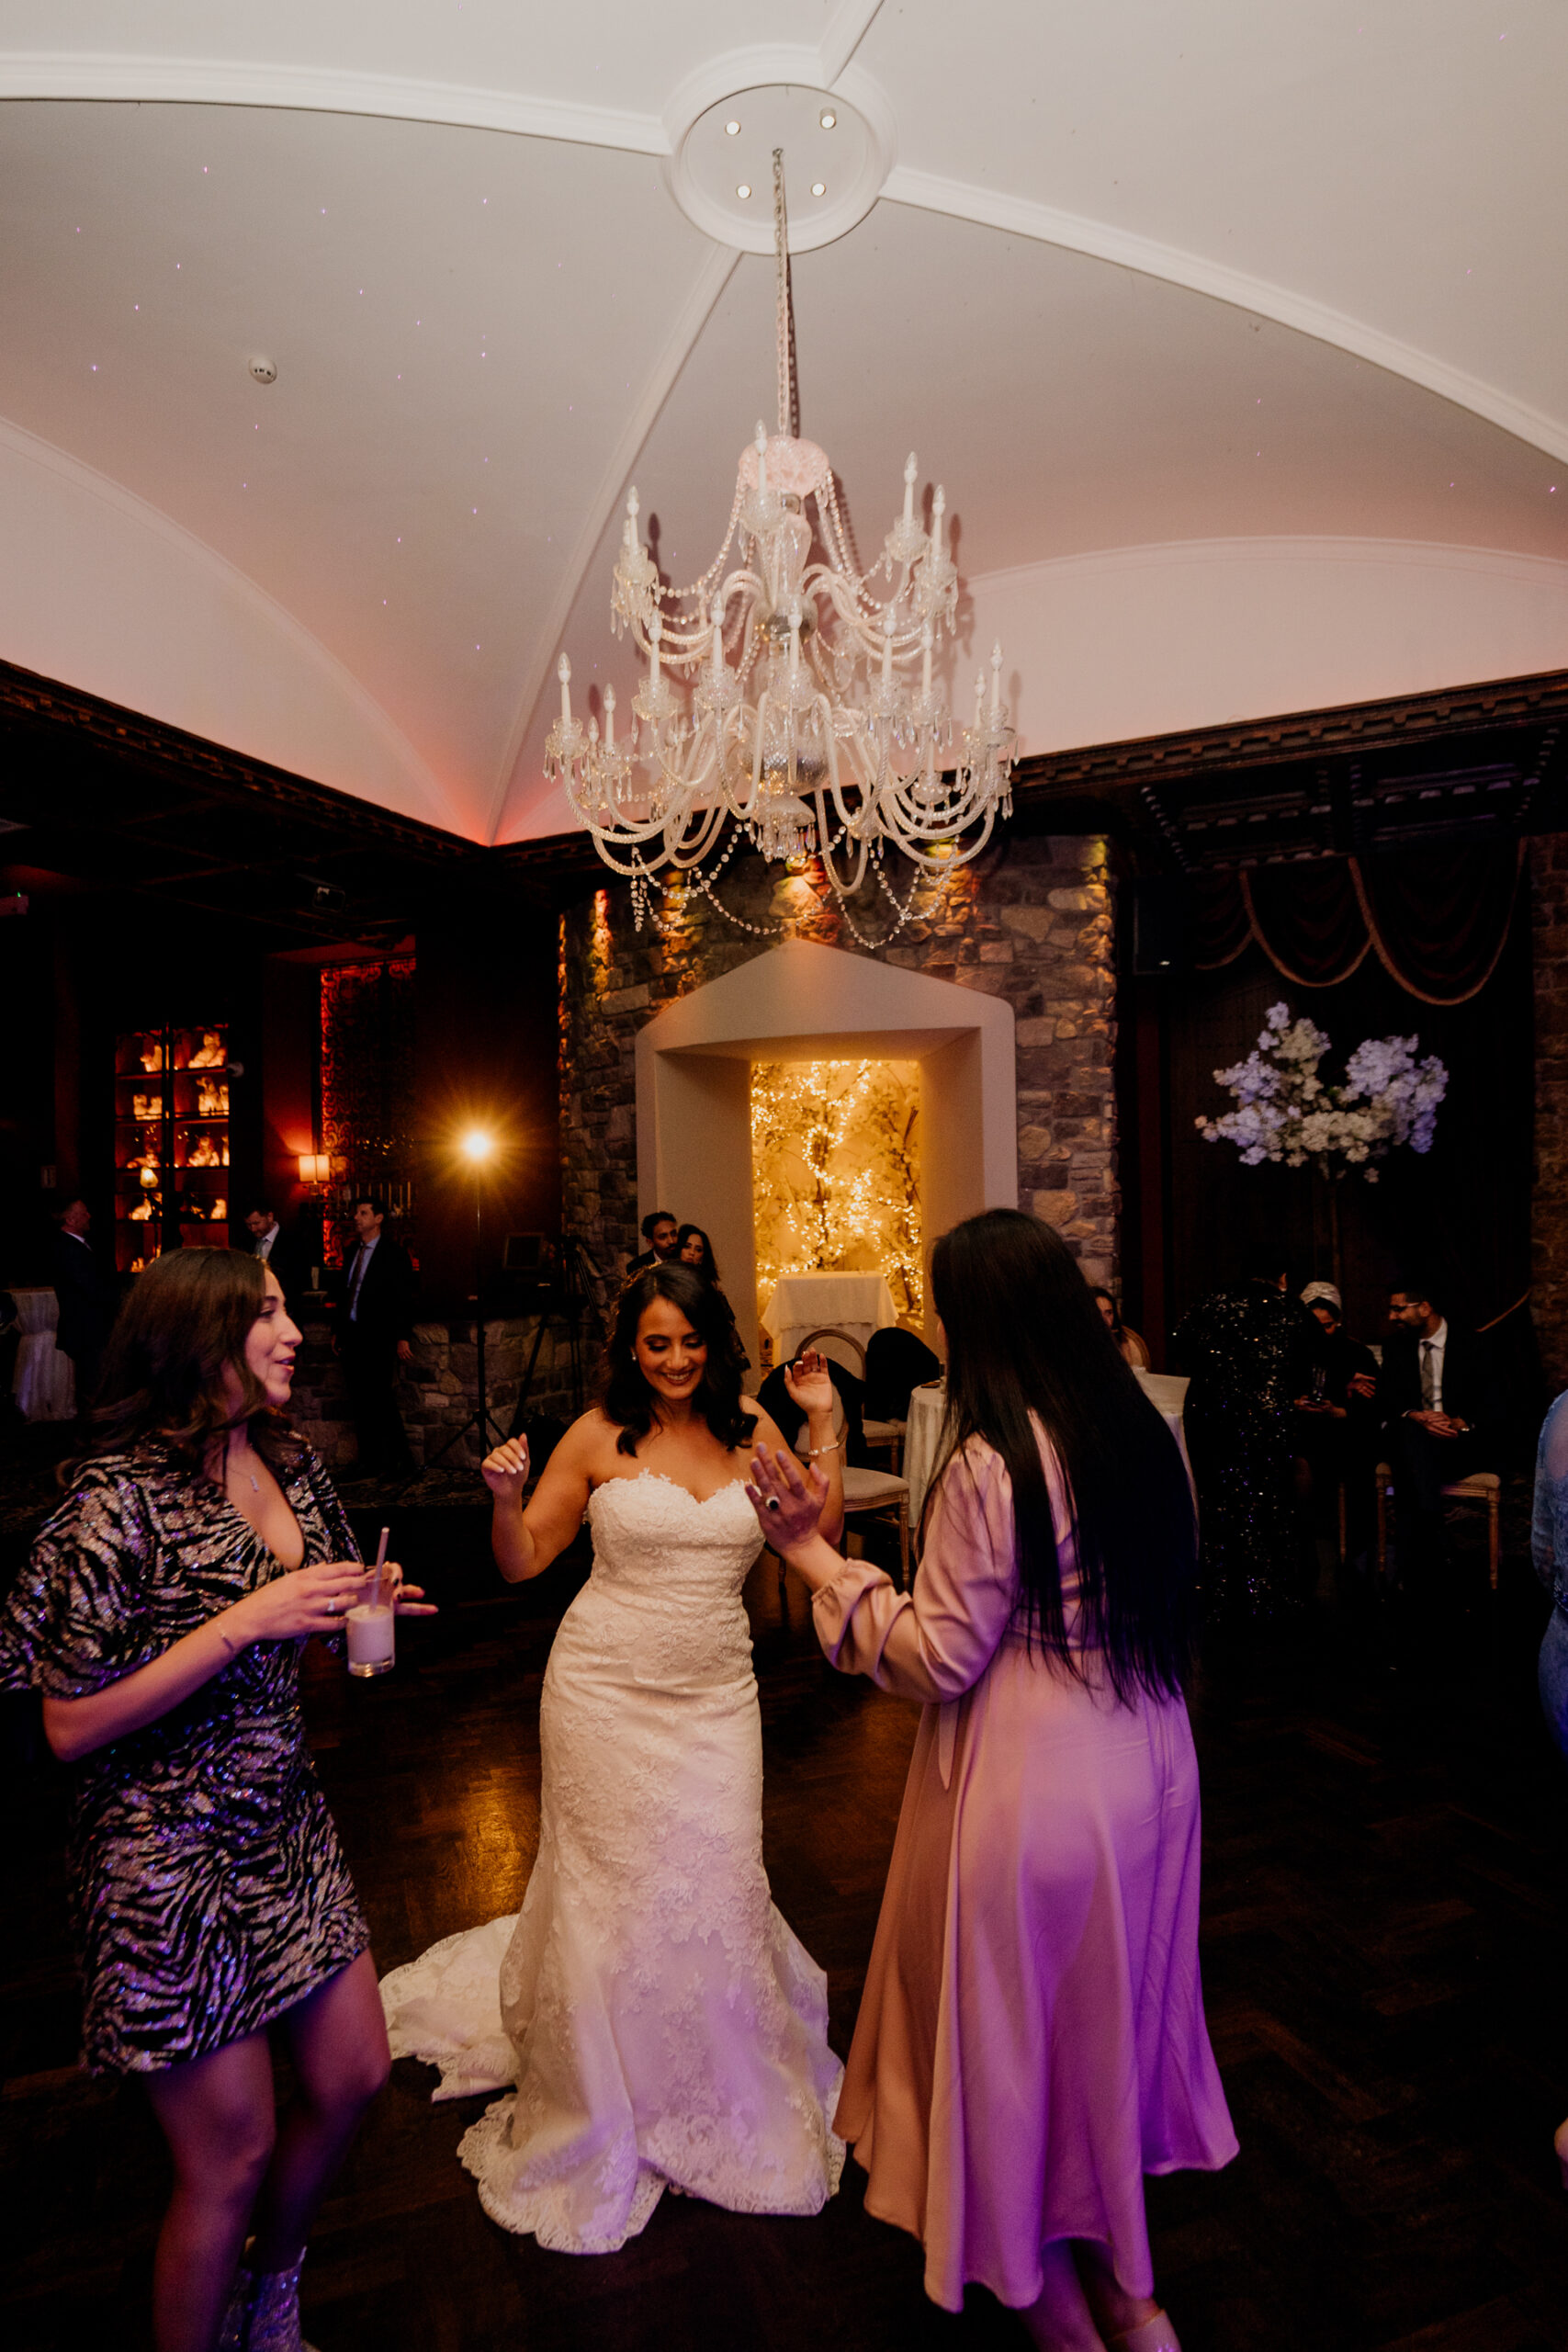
{"type": "Point", "coordinates": [835, 1163]}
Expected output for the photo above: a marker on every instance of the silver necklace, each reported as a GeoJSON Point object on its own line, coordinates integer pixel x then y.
{"type": "Point", "coordinates": [249, 1472]}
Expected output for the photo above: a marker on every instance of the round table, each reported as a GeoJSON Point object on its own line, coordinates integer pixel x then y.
{"type": "Point", "coordinates": [44, 1382]}
{"type": "Point", "coordinates": [856, 1304]}
{"type": "Point", "coordinates": [927, 1407]}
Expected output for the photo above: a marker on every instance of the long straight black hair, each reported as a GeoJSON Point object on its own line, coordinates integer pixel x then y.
{"type": "Point", "coordinates": [625, 1396]}
{"type": "Point", "coordinates": [1024, 1337]}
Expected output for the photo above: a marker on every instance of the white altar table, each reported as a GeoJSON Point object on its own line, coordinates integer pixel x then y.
{"type": "Point", "coordinates": [858, 1303]}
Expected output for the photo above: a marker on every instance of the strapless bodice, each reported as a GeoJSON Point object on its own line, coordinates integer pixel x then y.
{"type": "Point", "coordinates": [662, 1607]}
{"type": "Point", "coordinates": [651, 1538]}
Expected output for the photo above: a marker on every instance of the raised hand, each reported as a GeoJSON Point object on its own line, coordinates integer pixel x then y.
{"type": "Point", "coordinates": [505, 1472]}
{"type": "Point", "coordinates": [809, 1383]}
{"type": "Point", "coordinates": [787, 1501]}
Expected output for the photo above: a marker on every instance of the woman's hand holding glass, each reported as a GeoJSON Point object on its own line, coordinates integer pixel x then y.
{"type": "Point", "coordinates": [315, 1600]}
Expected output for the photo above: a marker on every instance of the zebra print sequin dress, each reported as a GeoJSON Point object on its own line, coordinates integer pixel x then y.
{"type": "Point", "coordinates": [209, 1891]}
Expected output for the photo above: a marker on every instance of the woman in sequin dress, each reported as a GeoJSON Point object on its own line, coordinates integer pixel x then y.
{"type": "Point", "coordinates": [1247, 1351]}
{"type": "Point", "coordinates": [163, 1616]}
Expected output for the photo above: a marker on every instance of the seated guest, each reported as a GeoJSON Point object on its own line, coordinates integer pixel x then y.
{"type": "Point", "coordinates": [1438, 1407]}
{"type": "Point", "coordinates": [1337, 1418]}
{"type": "Point", "coordinates": [661, 1232]}
{"type": "Point", "coordinates": [1134, 1349]}
{"type": "Point", "coordinates": [695, 1249]}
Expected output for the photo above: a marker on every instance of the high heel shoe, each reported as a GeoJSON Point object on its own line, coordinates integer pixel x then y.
{"type": "Point", "coordinates": [1156, 2334]}
{"type": "Point", "coordinates": [274, 2311]}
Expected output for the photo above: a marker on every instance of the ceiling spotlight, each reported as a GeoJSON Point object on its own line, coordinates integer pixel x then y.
{"type": "Point", "coordinates": [744, 189]}
{"type": "Point", "coordinates": [819, 187]}
{"type": "Point", "coordinates": [731, 126]}
{"type": "Point", "coordinates": [826, 118]}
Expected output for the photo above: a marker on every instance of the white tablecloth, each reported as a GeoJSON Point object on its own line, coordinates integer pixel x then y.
{"type": "Point", "coordinates": [45, 1383]}
{"type": "Point", "coordinates": [926, 1406]}
{"type": "Point", "coordinates": [921, 1432]}
{"type": "Point", "coordinates": [858, 1303]}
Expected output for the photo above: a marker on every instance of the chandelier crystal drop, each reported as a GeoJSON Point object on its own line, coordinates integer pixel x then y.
{"type": "Point", "coordinates": [786, 701]}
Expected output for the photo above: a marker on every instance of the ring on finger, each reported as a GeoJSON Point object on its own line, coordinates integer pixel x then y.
{"type": "Point", "coordinates": [774, 1503]}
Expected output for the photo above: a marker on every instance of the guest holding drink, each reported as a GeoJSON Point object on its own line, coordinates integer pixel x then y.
{"type": "Point", "coordinates": [1032, 2039]}
{"type": "Point", "coordinates": [164, 1616]}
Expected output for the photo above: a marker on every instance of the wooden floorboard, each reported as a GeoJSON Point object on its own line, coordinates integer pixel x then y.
{"type": "Point", "coordinates": [1385, 1956]}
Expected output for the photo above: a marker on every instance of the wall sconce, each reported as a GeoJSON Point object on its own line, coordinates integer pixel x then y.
{"type": "Point", "coordinates": [315, 1168]}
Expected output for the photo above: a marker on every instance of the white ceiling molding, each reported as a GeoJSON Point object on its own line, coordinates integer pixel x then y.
{"type": "Point", "coordinates": [1022, 217]}
{"type": "Point", "coordinates": [843, 33]}
{"type": "Point", "coordinates": [1434, 555]}
{"type": "Point", "coordinates": [275, 618]}
{"type": "Point", "coordinates": [220, 82]}
{"type": "Point", "coordinates": [689, 320]}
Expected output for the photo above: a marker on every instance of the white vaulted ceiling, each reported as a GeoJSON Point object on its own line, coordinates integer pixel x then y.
{"type": "Point", "coordinates": [1236, 334]}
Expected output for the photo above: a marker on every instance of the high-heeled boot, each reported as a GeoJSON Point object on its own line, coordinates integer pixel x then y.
{"type": "Point", "coordinates": [232, 2334]}
{"type": "Point", "coordinates": [1156, 2334]}
{"type": "Point", "coordinates": [274, 2311]}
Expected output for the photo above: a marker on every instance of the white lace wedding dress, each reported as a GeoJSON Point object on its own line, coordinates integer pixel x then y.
{"type": "Point", "coordinates": [661, 2024]}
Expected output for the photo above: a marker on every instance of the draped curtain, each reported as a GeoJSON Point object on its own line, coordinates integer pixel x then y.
{"type": "Point", "coordinates": [1436, 917]}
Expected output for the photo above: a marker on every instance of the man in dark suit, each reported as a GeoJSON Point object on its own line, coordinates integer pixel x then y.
{"type": "Point", "coordinates": [1442, 1416]}
{"type": "Point", "coordinates": [279, 1250]}
{"type": "Point", "coordinates": [375, 1335]}
{"type": "Point", "coordinates": [662, 1234]}
{"type": "Point", "coordinates": [86, 1296]}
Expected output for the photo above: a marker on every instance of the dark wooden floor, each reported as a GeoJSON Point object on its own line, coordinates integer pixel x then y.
{"type": "Point", "coordinates": [1386, 1964]}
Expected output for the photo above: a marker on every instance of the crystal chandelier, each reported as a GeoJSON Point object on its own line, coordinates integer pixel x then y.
{"type": "Point", "coordinates": [787, 705]}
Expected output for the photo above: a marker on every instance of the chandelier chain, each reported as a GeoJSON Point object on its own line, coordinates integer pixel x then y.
{"type": "Point", "coordinates": [784, 320]}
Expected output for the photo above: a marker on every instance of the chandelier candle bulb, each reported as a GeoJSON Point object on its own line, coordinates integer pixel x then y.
{"type": "Point", "coordinates": [563, 672]}
{"type": "Point", "coordinates": [996, 683]}
{"type": "Point", "coordinates": [609, 719]}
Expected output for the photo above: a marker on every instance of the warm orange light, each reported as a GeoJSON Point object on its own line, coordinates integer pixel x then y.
{"type": "Point", "coordinates": [315, 1168]}
{"type": "Point", "coordinates": [477, 1145]}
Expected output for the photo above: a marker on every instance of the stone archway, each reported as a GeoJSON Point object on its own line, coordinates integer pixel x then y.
{"type": "Point", "coordinates": [801, 1002]}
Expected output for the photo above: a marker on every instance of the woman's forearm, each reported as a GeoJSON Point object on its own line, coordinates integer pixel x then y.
{"type": "Point", "coordinates": [511, 1541]}
{"type": "Point", "coordinates": [814, 1560]}
{"type": "Point", "coordinates": [76, 1727]}
{"type": "Point", "coordinates": [829, 1457]}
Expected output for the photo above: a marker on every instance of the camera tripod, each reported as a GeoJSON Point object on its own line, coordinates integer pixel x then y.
{"type": "Point", "coordinates": [575, 1297]}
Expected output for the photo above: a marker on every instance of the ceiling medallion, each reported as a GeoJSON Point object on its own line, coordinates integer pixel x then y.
{"type": "Point", "coordinates": [787, 706]}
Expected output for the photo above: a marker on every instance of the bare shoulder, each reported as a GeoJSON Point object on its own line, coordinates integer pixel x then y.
{"type": "Point", "coordinates": [764, 1430]}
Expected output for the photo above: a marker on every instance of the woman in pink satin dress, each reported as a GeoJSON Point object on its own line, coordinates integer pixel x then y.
{"type": "Point", "coordinates": [1032, 2039]}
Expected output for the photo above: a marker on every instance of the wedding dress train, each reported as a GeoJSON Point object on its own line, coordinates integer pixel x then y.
{"type": "Point", "coordinates": [660, 2024]}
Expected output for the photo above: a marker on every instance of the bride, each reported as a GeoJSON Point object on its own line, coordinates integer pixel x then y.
{"type": "Point", "coordinates": [660, 2023]}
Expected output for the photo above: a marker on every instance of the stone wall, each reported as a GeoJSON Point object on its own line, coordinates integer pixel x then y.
{"type": "Point", "coordinates": [440, 1388]}
{"type": "Point", "coordinates": [1032, 921]}
{"type": "Point", "coordinates": [1548, 1209]}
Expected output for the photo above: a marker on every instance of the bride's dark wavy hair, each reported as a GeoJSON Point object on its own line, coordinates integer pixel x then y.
{"type": "Point", "coordinates": [1025, 1337]}
{"type": "Point", "coordinates": [182, 1327]}
{"type": "Point", "coordinates": [624, 1397]}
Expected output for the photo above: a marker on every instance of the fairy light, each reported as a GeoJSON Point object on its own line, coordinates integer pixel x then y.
{"type": "Point", "coordinates": [835, 1171]}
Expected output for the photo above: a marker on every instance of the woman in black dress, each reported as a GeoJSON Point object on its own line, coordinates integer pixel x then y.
{"type": "Point", "coordinates": [163, 1616]}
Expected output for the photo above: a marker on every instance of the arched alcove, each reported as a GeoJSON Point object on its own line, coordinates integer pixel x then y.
{"type": "Point", "coordinates": [801, 1002]}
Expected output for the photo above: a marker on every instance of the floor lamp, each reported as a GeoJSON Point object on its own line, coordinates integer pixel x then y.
{"type": "Point", "coordinates": [477, 1149]}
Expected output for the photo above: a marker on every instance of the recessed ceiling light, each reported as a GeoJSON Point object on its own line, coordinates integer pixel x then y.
{"type": "Point", "coordinates": [744, 189]}
{"type": "Point", "coordinates": [826, 118]}
{"type": "Point", "coordinates": [819, 187]}
{"type": "Point", "coordinates": [731, 126]}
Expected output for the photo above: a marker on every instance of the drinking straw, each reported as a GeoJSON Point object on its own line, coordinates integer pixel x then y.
{"type": "Point", "coordinates": [381, 1562]}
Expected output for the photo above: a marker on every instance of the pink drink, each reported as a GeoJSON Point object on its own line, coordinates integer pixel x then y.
{"type": "Point", "coordinates": [372, 1642]}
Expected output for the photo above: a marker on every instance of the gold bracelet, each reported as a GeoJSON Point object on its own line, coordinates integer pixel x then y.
{"type": "Point", "coordinates": [813, 1451]}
